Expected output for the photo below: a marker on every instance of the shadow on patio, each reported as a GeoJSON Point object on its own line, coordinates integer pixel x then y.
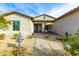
{"type": "Point", "coordinates": [46, 36]}
{"type": "Point", "coordinates": [49, 52]}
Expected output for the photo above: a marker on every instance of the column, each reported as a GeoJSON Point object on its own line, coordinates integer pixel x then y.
{"type": "Point", "coordinates": [43, 26]}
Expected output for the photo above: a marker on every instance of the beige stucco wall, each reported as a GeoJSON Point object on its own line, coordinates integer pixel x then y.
{"type": "Point", "coordinates": [26, 24]}
{"type": "Point", "coordinates": [47, 18]}
{"type": "Point", "coordinates": [69, 23]}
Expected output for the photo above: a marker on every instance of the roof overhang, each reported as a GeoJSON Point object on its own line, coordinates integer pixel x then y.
{"type": "Point", "coordinates": [49, 23]}
{"type": "Point", "coordinates": [8, 13]}
{"type": "Point", "coordinates": [68, 13]}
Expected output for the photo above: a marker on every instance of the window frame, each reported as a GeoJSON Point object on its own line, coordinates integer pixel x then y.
{"type": "Point", "coordinates": [16, 27]}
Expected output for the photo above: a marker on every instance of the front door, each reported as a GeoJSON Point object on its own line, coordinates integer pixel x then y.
{"type": "Point", "coordinates": [37, 28]}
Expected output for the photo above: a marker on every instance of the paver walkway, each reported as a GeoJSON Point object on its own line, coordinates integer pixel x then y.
{"type": "Point", "coordinates": [48, 48]}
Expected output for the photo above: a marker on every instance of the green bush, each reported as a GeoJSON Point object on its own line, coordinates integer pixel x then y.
{"type": "Point", "coordinates": [2, 36]}
{"type": "Point", "coordinates": [72, 44]}
{"type": "Point", "coordinates": [63, 39]}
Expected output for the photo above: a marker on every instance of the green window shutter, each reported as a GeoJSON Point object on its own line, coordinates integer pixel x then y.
{"type": "Point", "coordinates": [16, 25]}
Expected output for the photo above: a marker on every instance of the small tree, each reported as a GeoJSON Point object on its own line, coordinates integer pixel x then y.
{"type": "Point", "coordinates": [4, 23]}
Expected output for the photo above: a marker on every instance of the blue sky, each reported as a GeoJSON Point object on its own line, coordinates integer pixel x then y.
{"type": "Point", "coordinates": [34, 9]}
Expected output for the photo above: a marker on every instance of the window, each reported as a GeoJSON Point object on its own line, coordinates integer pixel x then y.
{"type": "Point", "coordinates": [44, 16]}
{"type": "Point", "coordinates": [16, 25]}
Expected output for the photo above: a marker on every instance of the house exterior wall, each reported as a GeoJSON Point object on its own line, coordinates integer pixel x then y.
{"type": "Point", "coordinates": [26, 24]}
{"type": "Point", "coordinates": [69, 23]}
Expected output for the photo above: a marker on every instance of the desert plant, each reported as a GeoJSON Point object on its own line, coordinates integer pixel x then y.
{"type": "Point", "coordinates": [11, 45]}
{"type": "Point", "coordinates": [19, 51]}
{"type": "Point", "coordinates": [6, 52]}
{"type": "Point", "coordinates": [30, 53]}
{"type": "Point", "coordinates": [30, 37]}
{"type": "Point", "coordinates": [72, 44]}
{"type": "Point", "coordinates": [15, 51]}
{"type": "Point", "coordinates": [2, 36]}
{"type": "Point", "coordinates": [46, 37]}
{"type": "Point", "coordinates": [63, 39]}
{"type": "Point", "coordinates": [15, 36]}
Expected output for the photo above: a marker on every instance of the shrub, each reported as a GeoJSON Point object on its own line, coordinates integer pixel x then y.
{"type": "Point", "coordinates": [19, 51]}
{"type": "Point", "coordinates": [63, 39]}
{"type": "Point", "coordinates": [72, 44]}
{"type": "Point", "coordinates": [30, 53]}
{"type": "Point", "coordinates": [11, 45]}
{"type": "Point", "coordinates": [46, 37]}
{"type": "Point", "coordinates": [15, 51]}
{"type": "Point", "coordinates": [30, 37]}
{"type": "Point", "coordinates": [15, 36]}
{"type": "Point", "coordinates": [6, 52]}
{"type": "Point", "coordinates": [2, 36]}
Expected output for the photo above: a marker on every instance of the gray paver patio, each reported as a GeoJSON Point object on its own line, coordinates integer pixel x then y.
{"type": "Point", "coordinates": [46, 47]}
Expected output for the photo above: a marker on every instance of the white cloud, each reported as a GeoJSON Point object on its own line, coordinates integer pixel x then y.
{"type": "Point", "coordinates": [58, 11]}
{"type": "Point", "coordinates": [2, 9]}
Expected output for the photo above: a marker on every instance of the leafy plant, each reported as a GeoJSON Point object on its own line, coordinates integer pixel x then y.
{"type": "Point", "coordinates": [2, 36]}
{"type": "Point", "coordinates": [72, 44]}
{"type": "Point", "coordinates": [4, 22]}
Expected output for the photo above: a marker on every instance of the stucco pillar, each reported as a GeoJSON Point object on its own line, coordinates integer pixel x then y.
{"type": "Point", "coordinates": [43, 26]}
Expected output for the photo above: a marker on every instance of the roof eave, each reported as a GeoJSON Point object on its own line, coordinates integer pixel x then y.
{"type": "Point", "coordinates": [75, 9]}
{"type": "Point", "coordinates": [8, 13]}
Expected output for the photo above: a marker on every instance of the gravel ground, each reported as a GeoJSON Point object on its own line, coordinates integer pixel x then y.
{"type": "Point", "coordinates": [39, 45]}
